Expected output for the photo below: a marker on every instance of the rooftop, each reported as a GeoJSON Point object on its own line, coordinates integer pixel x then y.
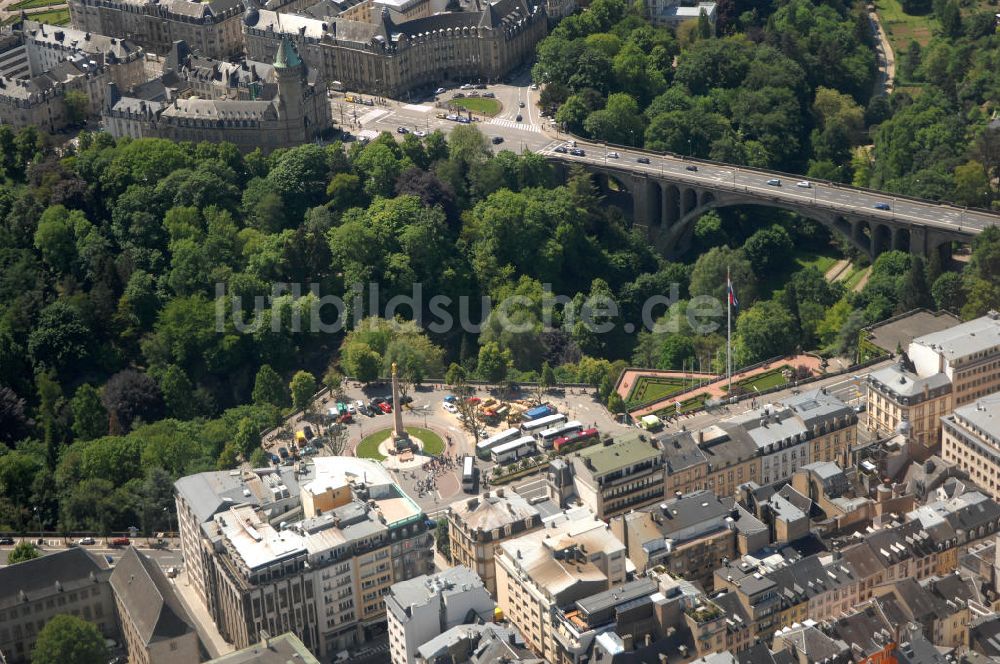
{"type": "Point", "coordinates": [621, 453]}
{"type": "Point", "coordinates": [275, 650]}
{"type": "Point", "coordinates": [960, 341]}
{"type": "Point", "coordinates": [900, 331]}
{"type": "Point", "coordinates": [149, 599]}
{"type": "Point", "coordinates": [982, 415]}
{"type": "Point", "coordinates": [62, 571]}
{"type": "Point", "coordinates": [494, 510]}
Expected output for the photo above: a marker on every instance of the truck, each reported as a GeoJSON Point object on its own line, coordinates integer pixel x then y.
{"type": "Point", "coordinates": [537, 412]}
{"type": "Point", "coordinates": [650, 422]}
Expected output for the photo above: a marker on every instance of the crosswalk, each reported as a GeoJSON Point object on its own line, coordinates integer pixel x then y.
{"type": "Point", "coordinates": [511, 124]}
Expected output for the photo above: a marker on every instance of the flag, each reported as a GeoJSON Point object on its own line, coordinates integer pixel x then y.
{"type": "Point", "coordinates": [733, 302]}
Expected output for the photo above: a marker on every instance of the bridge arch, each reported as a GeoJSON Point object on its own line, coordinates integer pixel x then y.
{"type": "Point", "coordinates": [676, 236]}
{"type": "Point", "coordinates": [881, 240]}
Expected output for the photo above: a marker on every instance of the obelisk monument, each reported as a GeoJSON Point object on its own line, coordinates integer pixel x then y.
{"type": "Point", "coordinates": [399, 436]}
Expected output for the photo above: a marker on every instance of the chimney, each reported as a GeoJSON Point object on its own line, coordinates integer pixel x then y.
{"type": "Point", "coordinates": [701, 436]}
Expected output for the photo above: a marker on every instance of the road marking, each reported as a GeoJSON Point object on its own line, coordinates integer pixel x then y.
{"type": "Point", "coordinates": [512, 124]}
{"type": "Point", "coordinates": [372, 116]}
{"type": "Point", "coordinates": [421, 108]}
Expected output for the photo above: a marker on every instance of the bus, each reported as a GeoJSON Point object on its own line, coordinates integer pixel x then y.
{"type": "Point", "coordinates": [469, 474]}
{"type": "Point", "coordinates": [558, 431]}
{"type": "Point", "coordinates": [483, 447]}
{"type": "Point", "coordinates": [514, 450]}
{"type": "Point", "coordinates": [575, 441]}
{"type": "Point", "coordinates": [543, 423]}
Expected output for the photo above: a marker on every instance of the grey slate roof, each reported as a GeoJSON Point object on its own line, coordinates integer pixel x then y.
{"type": "Point", "coordinates": [71, 569]}
{"type": "Point", "coordinates": [149, 599]}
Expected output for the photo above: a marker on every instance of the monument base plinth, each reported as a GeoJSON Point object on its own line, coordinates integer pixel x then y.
{"type": "Point", "coordinates": [402, 442]}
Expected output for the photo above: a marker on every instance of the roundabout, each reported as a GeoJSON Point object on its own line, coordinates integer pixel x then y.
{"type": "Point", "coordinates": [380, 447]}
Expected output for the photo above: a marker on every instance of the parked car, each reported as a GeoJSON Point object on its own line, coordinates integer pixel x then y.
{"type": "Point", "coordinates": [473, 400]}
{"type": "Point", "coordinates": [440, 91]}
{"type": "Point", "coordinates": [308, 432]}
{"type": "Point", "coordinates": [613, 155]}
{"type": "Point", "coordinates": [402, 130]}
{"type": "Point", "coordinates": [882, 206]}
{"type": "Point", "coordinates": [805, 184]}
{"type": "Point", "coordinates": [466, 86]}
{"type": "Point", "coordinates": [352, 409]}
{"type": "Point", "coordinates": [86, 541]}
{"type": "Point", "coordinates": [120, 541]}
{"type": "Point", "coordinates": [385, 408]}
{"type": "Point", "coordinates": [459, 95]}
{"type": "Point", "coordinates": [274, 459]}
{"type": "Point", "coordinates": [489, 95]}
{"type": "Point", "coordinates": [346, 418]}
{"type": "Point", "coordinates": [283, 451]}
{"type": "Point", "coordinates": [309, 450]}
{"type": "Point", "coordinates": [534, 86]}
{"type": "Point", "coordinates": [450, 407]}
{"type": "Point", "coordinates": [497, 140]}
{"type": "Point", "coordinates": [463, 120]}
{"type": "Point", "coordinates": [6, 541]}
{"type": "Point", "coordinates": [691, 167]}
{"type": "Point", "coordinates": [480, 86]}
{"type": "Point", "coordinates": [774, 182]}
{"type": "Point", "coordinates": [419, 133]}
{"type": "Point", "coordinates": [451, 398]}
{"type": "Point", "coordinates": [561, 149]}
{"type": "Point", "coordinates": [643, 160]}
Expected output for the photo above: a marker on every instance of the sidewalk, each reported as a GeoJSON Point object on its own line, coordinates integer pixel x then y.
{"type": "Point", "coordinates": [207, 632]}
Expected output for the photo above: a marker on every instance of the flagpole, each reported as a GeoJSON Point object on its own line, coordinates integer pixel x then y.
{"type": "Point", "coordinates": [729, 332]}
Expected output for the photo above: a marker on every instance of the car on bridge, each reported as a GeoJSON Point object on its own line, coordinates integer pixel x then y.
{"type": "Point", "coordinates": [612, 155]}
{"type": "Point", "coordinates": [562, 149]}
{"type": "Point", "coordinates": [882, 206]}
{"type": "Point", "coordinates": [774, 182]}
{"type": "Point", "coordinates": [805, 184]}
{"type": "Point", "coordinates": [497, 140]}
{"type": "Point", "coordinates": [691, 167]}
{"type": "Point", "coordinates": [643, 160]}
{"type": "Point", "coordinates": [577, 152]}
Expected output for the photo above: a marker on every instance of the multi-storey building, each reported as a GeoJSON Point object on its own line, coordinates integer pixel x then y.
{"type": "Point", "coordinates": [211, 28]}
{"type": "Point", "coordinates": [765, 445]}
{"type": "Point", "coordinates": [619, 475]}
{"type": "Point", "coordinates": [155, 626]}
{"type": "Point", "coordinates": [40, 64]}
{"type": "Point", "coordinates": [423, 607]}
{"type": "Point", "coordinates": [939, 372]}
{"type": "Point", "coordinates": [35, 591]}
{"type": "Point", "coordinates": [383, 55]}
{"type": "Point", "coordinates": [970, 439]}
{"type": "Point", "coordinates": [299, 113]}
{"type": "Point", "coordinates": [690, 536]}
{"type": "Point", "coordinates": [477, 525]}
{"type": "Point", "coordinates": [573, 556]}
{"type": "Point", "coordinates": [322, 577]}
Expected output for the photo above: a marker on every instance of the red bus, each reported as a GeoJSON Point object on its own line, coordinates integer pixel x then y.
{"type": "Point", "coordinates": [575, 441]}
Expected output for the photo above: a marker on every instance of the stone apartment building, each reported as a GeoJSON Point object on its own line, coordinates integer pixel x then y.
{"type": "Point", "coordinates": [477, 525]}
{"type": "Point", "coordinates": [690, 536]}
{"type": "Point", "coordinates": [970, 439]}
{"type": "Point", "coordinates": [571, 557]}
{"type": "Point", "coordinates": [154, 625]}
{"type": "Point", "coordinates": [938, 373]}
{"type": "Point", "coordinates": [313, 551]}
{"type": "Point", "coordinates": [211, 28]}
{"type": "Point", "coordinates": [388, 56]}
{"type": "Point", "coordinates": [618, 475]}
{"type": "Point", "coordinates": [40, 63]}
{"type": "Point", "coordinates": [35, 591]}
{"type": "Point", "coordinates": [298, 113]}
{"type": "Point", "coordinates": [423, 607]}
{"type": "Point", "coordinates": [765, 445]}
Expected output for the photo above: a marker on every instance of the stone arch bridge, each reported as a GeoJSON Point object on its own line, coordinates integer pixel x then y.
{"type": "Point", "coordinates": [666, 194]}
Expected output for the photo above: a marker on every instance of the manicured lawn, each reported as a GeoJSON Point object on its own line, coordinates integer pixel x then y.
{"type": "Point", "coordinates": [433, 445]}
{"type": "Point", "coordinates": [647, 388]}
{"type": "Point", "coordinates": [368, 447]}
{"type": "Point", "coordinates": [821, 262]}
{"type": "Point", "coordinates": [33, 4]}
{"type": "Point", "coordinates": [766, 380]}
{"type": "Point", "coordinates": [483, 105]}
{"type": "Point", "coordinates": [57, 17]}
